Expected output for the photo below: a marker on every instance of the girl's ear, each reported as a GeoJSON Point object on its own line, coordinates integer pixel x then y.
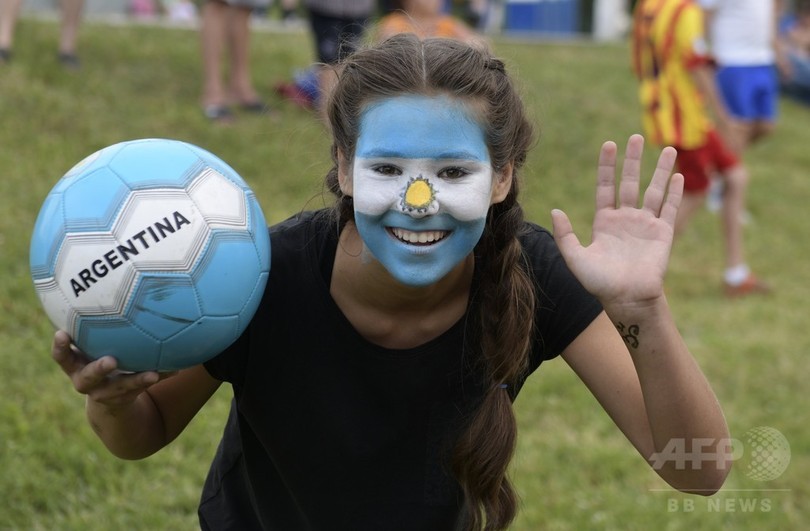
{"type": "Point", "coordinates": [344, 174]}
{"type": "Point", "coordinates": [502, 184]}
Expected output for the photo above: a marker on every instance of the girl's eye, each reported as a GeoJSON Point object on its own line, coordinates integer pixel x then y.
{"type": "Point", "coordinates": [387, 169]}
{"type": "Point", "coordinates": [453, 173]}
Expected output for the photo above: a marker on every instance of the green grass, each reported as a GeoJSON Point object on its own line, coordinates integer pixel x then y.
{"type": "Point", "coordinates": [574, 470]}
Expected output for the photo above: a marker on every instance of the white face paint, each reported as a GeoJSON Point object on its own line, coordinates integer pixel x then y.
{"type": "Point", "coordinates": [422, 185]}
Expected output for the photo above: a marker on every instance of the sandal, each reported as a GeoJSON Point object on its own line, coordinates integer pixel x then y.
{"type": "Point", "coordinates": [257, 106]}
{"type": "Point", "coordinates": [218, 113]}
{"type": "Point", "coordinates": [69, 60]}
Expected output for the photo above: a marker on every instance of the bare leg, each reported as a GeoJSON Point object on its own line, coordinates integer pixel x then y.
{"type": "Point", "coordinates": [213, 34]}
{"type": "Point", "coordinates": [9, 12]}
{"type": "Point", "coordinates": [241, 83]}
{"type": "Point", "coordinates": [736, 181]}
{"type": "Point", "coordinates": [760, 130]}
{"type": "Point", "coordinates": [71, 20]}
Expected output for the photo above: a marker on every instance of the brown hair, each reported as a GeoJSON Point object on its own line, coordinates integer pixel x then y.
{"type": "Point", "coordinates": [502, 329]}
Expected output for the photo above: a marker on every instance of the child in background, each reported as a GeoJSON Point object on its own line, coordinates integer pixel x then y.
{"type": "Point", "coordinates": [679, 98]}
{"type": "Point", "coordinates": [424, 18]}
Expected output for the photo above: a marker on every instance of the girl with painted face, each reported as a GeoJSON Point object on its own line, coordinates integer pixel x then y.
{"type": "Point", "coordinates": [374, 387]}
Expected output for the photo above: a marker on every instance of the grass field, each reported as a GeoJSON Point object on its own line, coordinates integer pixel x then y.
{"type": "Point", "coordinates": [573, 469]}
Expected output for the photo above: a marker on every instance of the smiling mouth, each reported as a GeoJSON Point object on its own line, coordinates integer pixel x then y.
{"type": "Point", "coordinates": [425, 237]}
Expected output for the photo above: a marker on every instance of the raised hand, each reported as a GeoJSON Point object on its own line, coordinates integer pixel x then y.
{"type": "Point", "coordinates": [627, 258]}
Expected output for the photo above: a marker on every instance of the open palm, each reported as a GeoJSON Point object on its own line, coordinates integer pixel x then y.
{"type": "Point", "coordinates": [628, 255]}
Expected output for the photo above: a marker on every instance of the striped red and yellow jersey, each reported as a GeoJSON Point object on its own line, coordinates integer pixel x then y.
{"type": "Point", "coordinates": [668, 41]}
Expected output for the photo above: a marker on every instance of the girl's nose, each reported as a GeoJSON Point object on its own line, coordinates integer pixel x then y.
{"type": "Point", "coordinates": [419, 198]}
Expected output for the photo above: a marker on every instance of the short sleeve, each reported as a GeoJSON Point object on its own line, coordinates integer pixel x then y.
{"type": "Point", "coordinates": [564, 307]}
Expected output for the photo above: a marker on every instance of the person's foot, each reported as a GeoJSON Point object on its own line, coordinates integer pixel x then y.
{"type": "Point", "coordinates": [69, 60]}
{"type": "Point", "coordinates": [256, 107]}
{"type": "Point", "coordinates": [219, 113]}
{"type": "Point", "coordinates": [5, 56]}
{"type": "Point", "coordinates": [750, 286]}
{"type": "Point", "coordinates": [242, 94]}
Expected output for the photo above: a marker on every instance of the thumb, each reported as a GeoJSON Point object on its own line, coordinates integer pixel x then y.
{"type": "Point", "coordinates": [564, 235]}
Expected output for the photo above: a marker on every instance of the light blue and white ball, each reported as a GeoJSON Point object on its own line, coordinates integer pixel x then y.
{"type": "Point", "coordinates": [153, 251]}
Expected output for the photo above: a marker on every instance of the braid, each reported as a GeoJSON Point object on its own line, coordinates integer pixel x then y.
{"type": "Point", "coordinates": [505, 318]}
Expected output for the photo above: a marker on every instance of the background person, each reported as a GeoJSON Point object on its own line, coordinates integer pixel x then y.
{"type": "Point", "coordinates": [676, 77]}
{"type": "Point", "coordinates": [337, 26]}
{"type": "Point", "coordinates": [71, 15]}
{"type": "Point", "coordinates": [424, 18]}
{"type": "Point", "coordinates": [743, 42]}
{"type": "Point", "coordinates": [225, 29]}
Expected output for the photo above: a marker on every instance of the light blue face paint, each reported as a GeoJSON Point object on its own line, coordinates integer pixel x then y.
{"type": "Point", "coordinates": [418, 265]}
{"type": "Point", "coordinates": [420, 127]}
{"type": "Point", "coordinates": [422, 184]}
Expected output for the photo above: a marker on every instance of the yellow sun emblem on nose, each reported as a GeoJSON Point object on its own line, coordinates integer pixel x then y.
{"type": "Point", "coordinates": [418, 195]}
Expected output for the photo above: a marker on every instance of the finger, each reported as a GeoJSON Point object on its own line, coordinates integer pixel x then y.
{"type": "Point", "coordinates": [606, 177]}
{"type": "Point", "coordinates": [631, 172]}
{"type": "Point", "coordinates": [62, 352]}
{"type": "Point", "coordinates": [94, 373]}
{"type": "Point", "coordinates": [657, 190]}
{"type": "Point", "coordinates": [669, 210]}
{"type": "Point", "coordinates": [564, 234]}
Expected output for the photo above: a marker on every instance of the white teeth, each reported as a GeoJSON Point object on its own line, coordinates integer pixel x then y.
{"type": "Point", "coordinates": [428, 236]}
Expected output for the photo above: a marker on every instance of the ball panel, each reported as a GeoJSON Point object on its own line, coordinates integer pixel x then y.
{"type": "Point", "coordinates": [92, 275]}
{"type": "Point", "coordinates": [222, 167]}
{"type": "Point", "coordinates": [161, 229]}
{"type": "Point", "coordinates": [103, 336]}
{"type": "Point", "coordinates": [93, 200]}
{"type": "Point", "coordinates": [163, 304]}
{"type": "Point", "coordinates": [98, 159]}
{"type": "Point", "coordinates": [192, 347]}
{"type": "Point", "coordinates": [259, 232]}
{"type": "Point", "coordinates": [222, 287]}
{"type": "Point", "coordinates": [49, 230]}
{"type": "Point", "coordinates": [56, 305]}
{"type": "Point", "coordinates": [220, 201]}
{"type": "Point", "coordinates": [156, 163]}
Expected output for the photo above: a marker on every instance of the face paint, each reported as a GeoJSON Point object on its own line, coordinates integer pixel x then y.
{"type": "Point", "coordinates": [422, 185]}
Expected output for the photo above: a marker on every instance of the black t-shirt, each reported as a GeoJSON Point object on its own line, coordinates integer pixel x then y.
{"type": "Point", "coordinates": [328, 431]}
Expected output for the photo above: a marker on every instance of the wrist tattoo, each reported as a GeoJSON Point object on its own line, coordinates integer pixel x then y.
{"type": "Point", "coordinates": [629, 333]}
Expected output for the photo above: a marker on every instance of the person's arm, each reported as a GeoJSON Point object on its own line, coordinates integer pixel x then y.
{"type": "Point", "coordinates": [703, 75]}
{"type": "Point", "coordinates": [632, 357]}
{"type": "Point", "coordinates": [701, 66]}
{"type": "Point", "coordinates": [134, 415]}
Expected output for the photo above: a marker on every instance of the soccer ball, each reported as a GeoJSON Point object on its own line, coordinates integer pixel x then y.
{"type": "Point", "coordinates": [153, 251]}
